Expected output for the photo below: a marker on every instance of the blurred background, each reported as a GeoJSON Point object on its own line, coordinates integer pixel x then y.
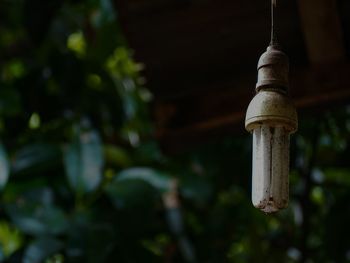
{"type": "Point", "coordinates": [122, 131]}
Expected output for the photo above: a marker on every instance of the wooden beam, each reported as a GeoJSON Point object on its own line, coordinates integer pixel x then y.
{"type": "Point", "coordinates": [322, 31]}
{"type": "Point", "coordinates": [201, 69]}
{"type": "Point", "coordinates": [313, 88]}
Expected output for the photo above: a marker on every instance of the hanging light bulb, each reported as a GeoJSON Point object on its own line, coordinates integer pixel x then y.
{"type": "Point", "coordinates": [271, 118]}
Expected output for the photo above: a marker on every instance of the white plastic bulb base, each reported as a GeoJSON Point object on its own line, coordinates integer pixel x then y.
{"type": "Point", "coordinates": [270, 181]}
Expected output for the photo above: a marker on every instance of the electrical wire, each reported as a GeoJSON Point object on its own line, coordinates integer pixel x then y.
{"type": "Point", "coordinates": [273, 33]}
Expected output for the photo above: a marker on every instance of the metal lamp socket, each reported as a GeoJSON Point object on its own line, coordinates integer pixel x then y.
{"type": "Point", "coordinates": [272, 105]}
{"type": "Point", "coordinates": [273, 108]}
{"type": "Point", "coordinates": [273, 69]}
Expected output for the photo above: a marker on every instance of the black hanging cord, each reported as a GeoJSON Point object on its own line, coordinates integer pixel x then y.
{"type": "Point", "coordinates": [273, 33]}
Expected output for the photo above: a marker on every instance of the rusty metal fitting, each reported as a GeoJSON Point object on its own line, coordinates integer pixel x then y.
{"type": "Point", "coordinates": [272, 108]}
{"type": "Point", "coordinates": [273, 70]}
{"type": "Point", "coordinates": [272, 105]}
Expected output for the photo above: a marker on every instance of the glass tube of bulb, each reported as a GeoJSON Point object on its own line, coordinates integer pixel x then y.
{"type": "Point", "coordinates": [270, 182]}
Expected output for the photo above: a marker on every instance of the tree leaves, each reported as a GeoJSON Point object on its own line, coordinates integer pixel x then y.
{"type": "Point", "coordinates": [9, 100]}
{"type": "Point", "coordinates": [34, 213]}
{"type": "Point", "coordinates": [4, 167]}
{"type": "Point", "coordinates": [36, 157]}
{"type": "Point", "coordinates": [117, 156]}
{"type": "Point", "coordinates": [160, 181]}
{"type": "Point", "coordinates": [83, 161]}
{"type": "Point", "coordinates": [40, 249]}
{"type": "Point", "coordinates": [35, 219]}
{"type": "Point", "coordinates": [131, 194]}
{"type": "Point", "coordinates": [10, 239]}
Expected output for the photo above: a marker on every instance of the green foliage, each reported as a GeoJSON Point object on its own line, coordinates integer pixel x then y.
{"type": "Point", "coordinates": [82, 178]}
{"type": "Point", "coordinates": [35, 214]}
{"type": "Point", "coordinates": [10, 239]}
{"type": "Point", "coordinates": [35, 157]}
{"type": "Point", "coordinates": [4, 167]}
{"type": "Point", "coordinates": [160, 181]}
{"type": "Point", "coordinates": [83, 160]}
{"type": "Point", "coordinates": [40, 249]}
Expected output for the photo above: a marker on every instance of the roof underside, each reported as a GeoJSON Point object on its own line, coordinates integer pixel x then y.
{"type": "Point", "coordinates": [201, 56]}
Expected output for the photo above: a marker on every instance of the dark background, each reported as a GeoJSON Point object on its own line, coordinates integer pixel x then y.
{"type": "Point", "coordinates": [94, 167]}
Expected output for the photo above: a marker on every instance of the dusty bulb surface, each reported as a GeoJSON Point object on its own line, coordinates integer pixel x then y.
{"type": "Point", "coordinates": [271, 117]}
{"type": "Point", "coordinates": [270, 182]}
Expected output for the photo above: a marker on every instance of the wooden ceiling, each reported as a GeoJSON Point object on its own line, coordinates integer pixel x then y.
{"type": "Point", "coordinates": [200, 57]}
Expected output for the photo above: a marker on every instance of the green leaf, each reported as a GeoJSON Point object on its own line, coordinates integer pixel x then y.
{"type": "Point", "coordinates": [40, 249]}
{"type": "Point", "coordinates": [131, 194]}
{"type": "Point", "coordinates": [196, 188]}
{"type": "Point", "coordinates": [77, 234]}
{"type": "Point", "coordinates": [9, 102]}
{"type": "Point", "coordinates": [2, 255]}
{"type": "Point", "coordinates": [337, 175]}
{"type": "Point", "coordinates": [83, 160]}
{"type": "Point", "coordinates": [106, 14]}
{"type": "Point", "coordinates": [117, 156]}
{"type": "Point", "coordinates": [159, 180]}
{"type": "Point", "coordinates": [138, 187]}
{"type": "Point", "coordinates": [100, 248]}
{"type": "Point", "coordinates": [36, 157]}
{"type": "Point", "coordinates": [4, 167]}
{"type": "Point", "coordinates": [35, 219]}
{"type": "Point", "coordinates": [38, 220]}
{"type": "Point", "coordinates": [10, 239]}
